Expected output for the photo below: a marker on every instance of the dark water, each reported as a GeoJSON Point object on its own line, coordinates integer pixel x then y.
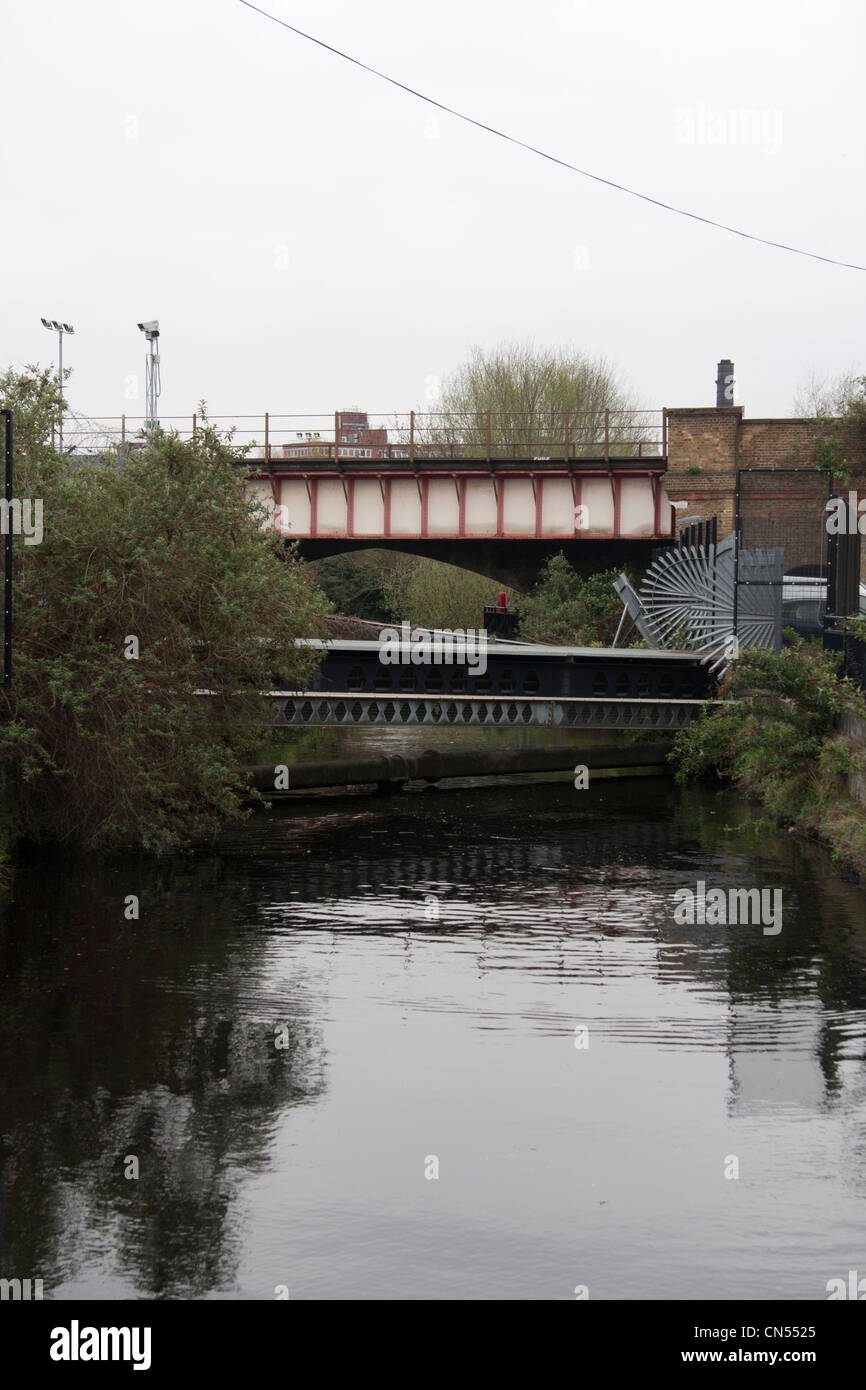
{"type": "Point", "coordinates": [427, 960]}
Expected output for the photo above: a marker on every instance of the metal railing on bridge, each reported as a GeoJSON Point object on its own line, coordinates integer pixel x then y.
{"type": "Point", "coordinates": [412, 436]}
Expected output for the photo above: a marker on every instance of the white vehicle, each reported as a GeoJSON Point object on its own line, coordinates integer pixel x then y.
{"type": "Point", "coordinates": [804, 603]}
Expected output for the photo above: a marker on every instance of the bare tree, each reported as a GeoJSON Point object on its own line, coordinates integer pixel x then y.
{"type": "Point", "coordinates": [838, 407]}
{"type": "Point", "coordinates": [523, 399]}
{"type": "Point", "coordinates": [827, 398]}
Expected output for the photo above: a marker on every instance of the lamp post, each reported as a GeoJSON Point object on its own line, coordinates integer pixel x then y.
{"type": "Point", "coordinates": [59, 329]}
{"type": "Point", "coordinates": [153, 386]}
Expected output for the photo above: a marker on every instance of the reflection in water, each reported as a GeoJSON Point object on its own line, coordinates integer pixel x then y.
{"type": "Point", "coordinates": [135, 1038]}
{"type": "Point", "coordinates": [405, 1036]}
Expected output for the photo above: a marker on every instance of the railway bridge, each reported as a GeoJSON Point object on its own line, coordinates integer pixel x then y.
{"type": "Point", "coordinates": [482, 492]}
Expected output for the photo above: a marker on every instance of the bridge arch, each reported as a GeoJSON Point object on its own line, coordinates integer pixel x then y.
{"type": "Point", "coordinates": [512, 564]}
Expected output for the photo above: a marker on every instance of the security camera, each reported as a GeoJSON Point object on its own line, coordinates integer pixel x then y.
{"type": "Point", "coordinates": [151, 328]}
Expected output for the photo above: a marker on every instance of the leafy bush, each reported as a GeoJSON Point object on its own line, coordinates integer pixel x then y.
{"type": "Point", "coordinates": [776, 742]}
{"type": "Point", "coordinates": [570, 609]}
{"type": "Point", "coordinates": [102, 747]}
{"type": "Point", "coordinates": [354, 583]}
{"type": "Point", "coordinates": [434, 594]}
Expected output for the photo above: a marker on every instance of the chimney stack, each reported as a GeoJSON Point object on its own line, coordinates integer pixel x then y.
{"type": "Point", "coordinates": [725, 383]}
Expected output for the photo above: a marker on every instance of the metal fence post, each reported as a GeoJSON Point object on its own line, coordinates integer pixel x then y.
{"type": "Point", "coordinates": [736, 557]}
{"type": "Point", "coordinates": [7, 549]}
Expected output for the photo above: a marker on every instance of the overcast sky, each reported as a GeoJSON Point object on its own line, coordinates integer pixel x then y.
{"type": "Point", "coordinates": [311, 238]}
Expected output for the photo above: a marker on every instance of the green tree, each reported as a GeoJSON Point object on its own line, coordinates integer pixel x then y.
{"type": "Point", "coordinates": [434, 594]}
{"type": "Point", "coordinates": [569, 609]}
{"type": "Point", "coordinates": [354, 583]}
{"type": "Point", "coordinates": [527, 391]}
{"type": "Point", "coordinates": [154, 581]}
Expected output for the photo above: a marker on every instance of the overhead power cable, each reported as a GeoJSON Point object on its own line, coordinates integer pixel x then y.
{"type": "Point", "coordinates": [553, 159]}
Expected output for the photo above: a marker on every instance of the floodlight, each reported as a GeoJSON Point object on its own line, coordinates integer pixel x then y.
{"type": "Point", "coordinates": [59, 329]}
{"type": "Point", "coordinates": [153, 387]}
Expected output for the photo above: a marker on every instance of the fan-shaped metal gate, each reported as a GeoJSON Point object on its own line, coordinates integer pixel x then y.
{"type": "Point", "coordinates": [706, 598]}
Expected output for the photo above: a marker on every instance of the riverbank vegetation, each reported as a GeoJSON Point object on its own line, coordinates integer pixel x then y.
{"type": "Point", "coordinates": [564, 607]}
{"type": "Point", "coordinates": [434, 594]}
{"type": "Point", "coordinates": [780, 745]}
{"type": "Point", "coordinates": [153, 581]}
{"type": "Point", "coordinates": [570, 609]}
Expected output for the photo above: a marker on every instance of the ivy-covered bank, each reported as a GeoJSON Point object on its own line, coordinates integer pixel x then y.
{"type": "Point", "coordinates": [780, 744]}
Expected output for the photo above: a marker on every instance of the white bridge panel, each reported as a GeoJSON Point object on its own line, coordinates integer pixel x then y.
{"type": "Point", "coordinates": [480, 507]}
{"type": "Point", "coordinates": [331, 518]}
{"type": "Point", "coordinates": [295, 501]}
{"type": "Point", "coordinates": [636, 507]}
{"type": "Point", "coordinates": [443, 507]}
{"type": "Point", "coordinates": [369, 508]}
{"type": "Point", "coordinates": [518, 508]}
{"type": "Point", "coordinates": [596, 495]}
{"type": "Point", "coordinates": [557, 508]}
{"type": "Point", "coordinates": [405, 507]}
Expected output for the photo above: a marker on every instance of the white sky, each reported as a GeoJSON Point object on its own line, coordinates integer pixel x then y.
{"type": "Point", "coordinates": [311, 238]}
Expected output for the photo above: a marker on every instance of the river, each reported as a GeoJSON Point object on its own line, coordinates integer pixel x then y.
{"type": "Point", "coordinates": [436, 1045]}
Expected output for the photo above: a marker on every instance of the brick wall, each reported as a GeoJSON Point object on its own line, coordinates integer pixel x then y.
{"type": "Point", "coordinates": [776, 443]}
{"type": "Point", "coordinates": [707, 446]}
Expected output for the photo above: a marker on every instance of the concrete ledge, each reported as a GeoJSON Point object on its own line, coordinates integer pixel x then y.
{"type": "Point", "coordinates": [434, 766]}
